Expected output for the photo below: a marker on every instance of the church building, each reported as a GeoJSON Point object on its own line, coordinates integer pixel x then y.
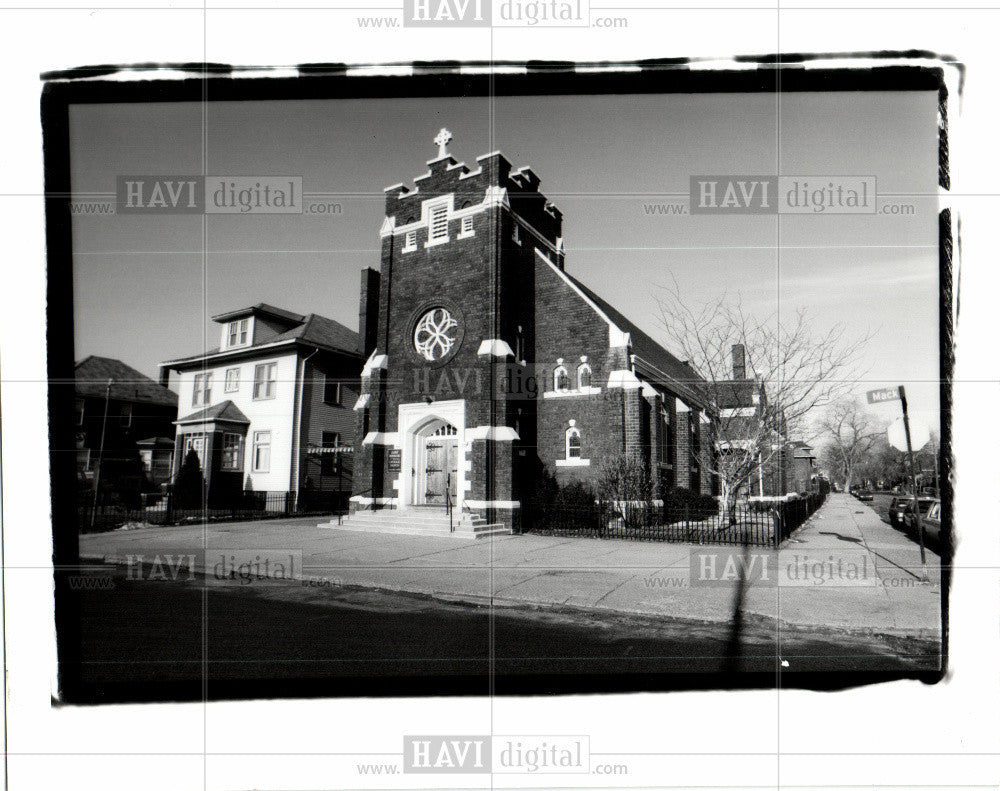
{"type": "Point", "coordinates": [488, 365]}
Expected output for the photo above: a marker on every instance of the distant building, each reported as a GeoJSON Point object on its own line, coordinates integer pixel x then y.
{"type": "Point", "coordinates": [748, 423]}
{"type": "Point", "coordinates": [269, 409]}
{"type": "Point", "coordinates": [157, 455]}
{"type": "Point", "coordinates": [129, 410]}
{"type": "Point", "coordinates": [802, 463]}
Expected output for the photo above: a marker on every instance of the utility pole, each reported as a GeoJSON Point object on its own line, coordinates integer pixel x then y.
{"type": "Point", "coordinates": [913, 478]}
{"type": "Point", "coordinates": [100, 454]}
{"type": "Point", "coordinates": [937, 482]}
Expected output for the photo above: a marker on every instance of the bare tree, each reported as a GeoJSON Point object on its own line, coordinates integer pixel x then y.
{"type": "Point", "coordinates": [790, 367]}
{"type": "Point", "coordinates": [623, 481]}
{"type": "Point", "coordinates": [851, 434]}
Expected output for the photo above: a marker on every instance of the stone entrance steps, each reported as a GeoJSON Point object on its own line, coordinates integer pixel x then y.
{"type": "Point", "coordinates": [418, 522]}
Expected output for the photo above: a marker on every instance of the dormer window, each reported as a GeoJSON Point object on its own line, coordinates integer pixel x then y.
{"type": "Point", "coordinates": [238, 333]}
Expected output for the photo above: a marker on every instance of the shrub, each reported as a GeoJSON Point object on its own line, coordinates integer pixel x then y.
{"type": "Point", "coordinates": [680, 502]}
{"type": "Point", "coordinates": [552, 506]}
{"type": "Point", "coordinates": [190, 486]}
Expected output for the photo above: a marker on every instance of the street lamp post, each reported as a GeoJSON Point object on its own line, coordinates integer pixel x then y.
{"type": "Point", "coordinates": [913, 477]}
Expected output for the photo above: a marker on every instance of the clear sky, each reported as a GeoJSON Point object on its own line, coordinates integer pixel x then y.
{"type": "Point", "coordinates": [143, 292]}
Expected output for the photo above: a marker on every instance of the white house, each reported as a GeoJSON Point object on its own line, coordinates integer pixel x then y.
{"type": "Point", "coordinates": [268, 409]}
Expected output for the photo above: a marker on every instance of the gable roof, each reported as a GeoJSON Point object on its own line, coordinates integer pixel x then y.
{"type": "Point", "coordinates": [642, 344]}
{"type": "Point", "coordinates": [224, 411]}
{"type": "Point", "coordinates": [92, 374]}
{"type": "Point", "coordinates": [313, 330]}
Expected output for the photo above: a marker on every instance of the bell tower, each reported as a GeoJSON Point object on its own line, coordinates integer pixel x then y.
{"type": "Point", "coordinates": [454, 322]}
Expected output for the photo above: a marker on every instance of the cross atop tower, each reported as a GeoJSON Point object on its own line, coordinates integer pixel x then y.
{"type": "Point", "coordinates": [443, 138]}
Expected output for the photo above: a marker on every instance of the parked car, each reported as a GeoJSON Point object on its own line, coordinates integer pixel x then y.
{"type": "Point", "coordinates": [865, 496]}
{"type": "Point", "coordinates": [932, 523]}
{"type": "Point", "coordinates": [897, 510]}
{"type": "Point", "coordinates": [910, 520]}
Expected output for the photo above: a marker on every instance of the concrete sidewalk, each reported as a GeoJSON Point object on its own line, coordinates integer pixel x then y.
{"type": "Point", "coordinates": [843, 569]}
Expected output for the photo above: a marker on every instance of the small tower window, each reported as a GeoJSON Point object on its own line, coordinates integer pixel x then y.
{"type": "Point", "coordinates": [467, 225]}
{"type": "Point", "coordinates": [410, 242]}
{"type": "Point", "coordinates": [583, 376]}
{"type": "Point", "coordinates": [516, 234]}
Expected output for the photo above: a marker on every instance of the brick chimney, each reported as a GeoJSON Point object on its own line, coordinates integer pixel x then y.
{"type": "Point", "coordinates": [739, 362]}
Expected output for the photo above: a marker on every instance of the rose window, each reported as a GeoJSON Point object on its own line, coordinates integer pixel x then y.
{"type": "Point", "coordinates": [435, 334]}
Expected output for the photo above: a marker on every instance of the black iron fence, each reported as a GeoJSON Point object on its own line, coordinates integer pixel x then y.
{"type": "Point", "coordinates": [764, 524]}
{"type": "Point", "coordinates": [168, 509]}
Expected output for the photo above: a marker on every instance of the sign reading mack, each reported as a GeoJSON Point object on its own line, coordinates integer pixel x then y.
{"type": "Point", "coordinates": [883, 394]}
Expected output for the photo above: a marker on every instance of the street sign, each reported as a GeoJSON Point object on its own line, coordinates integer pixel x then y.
{"type": "Point", "coordinates": [920, 435]}
{"type": "Point", "coordinates": [905, 437]}
{"type": "Point", "coordinates": [882, 395]}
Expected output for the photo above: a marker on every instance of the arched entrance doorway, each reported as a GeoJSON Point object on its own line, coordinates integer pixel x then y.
{"type": "Point", "coordinates": [436, 468]}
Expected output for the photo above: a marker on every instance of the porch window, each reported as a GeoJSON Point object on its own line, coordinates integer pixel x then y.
{"type": "Point", "coordinates": [232, 452]}
{"type": "Point", "coordinates": [202, 390]}
{"type": "Point", "coordinates": [196, 443]}
{"type": "Point", "coordinates": [265, 378]}
{"type": "Point", "coordinates": [262, 451]}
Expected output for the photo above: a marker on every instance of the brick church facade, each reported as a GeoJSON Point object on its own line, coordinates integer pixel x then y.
{"type": "Point", "coordinates": [487, 363]}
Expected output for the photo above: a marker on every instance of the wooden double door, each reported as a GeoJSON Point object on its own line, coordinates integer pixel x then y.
{"type": "Point", "coordinates": [438, 475]}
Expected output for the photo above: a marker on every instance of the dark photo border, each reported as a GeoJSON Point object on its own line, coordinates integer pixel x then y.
{"type": "Point", "coordinates": [214, 82]}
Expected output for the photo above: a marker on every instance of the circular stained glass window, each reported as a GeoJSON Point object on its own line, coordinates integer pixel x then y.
{"type": "Point", "coordinates": [435, 334]}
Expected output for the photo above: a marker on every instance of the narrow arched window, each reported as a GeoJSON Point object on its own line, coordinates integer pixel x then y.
{"type": "Point", "coordinates": [572, 443]}
{"type": "Point", "coordinates": [583, 376]}
{"type": "Point", "coordinates": [560, 379]}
